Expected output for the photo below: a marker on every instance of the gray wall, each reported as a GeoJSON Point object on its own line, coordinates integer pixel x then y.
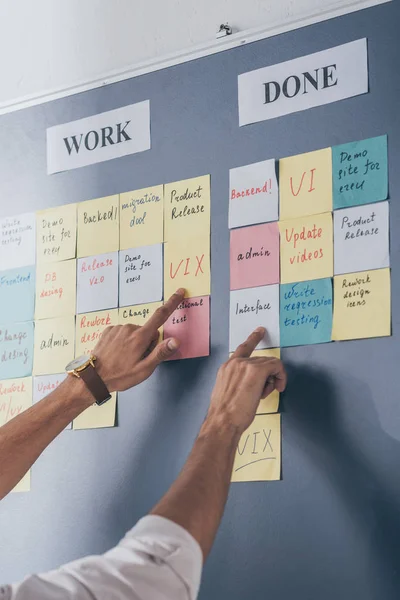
{"type": "Point", "coordinates": [331, 528]}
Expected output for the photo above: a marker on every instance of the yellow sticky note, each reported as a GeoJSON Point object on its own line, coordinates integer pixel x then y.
{"type": "Point", "coordinates": [362, 307]}
{"type": "Point", "coordinates": [24, 485]}
{"type": "Point", "coordinates": [142, 217]}
{"type": "Point", "coordinates": [258, 455]}
{"type": "Point", "coordinates": [305, 184]}
{"type": "Point", "coordinates": [187, 208]}
{"type": "Point", "coordinates": [15, 397]}
{"type": "Point", "coordinates": [54, 345]}
{"type": "Point", "coordinates": [98, 226]}
{"type": "Point", "coordinates": [55, 289]}
{"type": "Point", "coordinates": [96, 417]}
{"type": "Point", "coordinates": [306, 248]}
{"type": "Point", "coordinates": [56, 233]}
{"type": "Point", "coordinates": [187, 265]}
{"type": "Point", "coordinates": [89, 329]}
{"type": "Point", "coordinates": [139, 314]}
{"type": "Point", "coordinates": [271, 403]}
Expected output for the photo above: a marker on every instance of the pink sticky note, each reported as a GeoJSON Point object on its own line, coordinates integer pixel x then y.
{"type": "Point", "coordinates": [190, 324]}
{"type": "Point", "coordinates": [254, 256]}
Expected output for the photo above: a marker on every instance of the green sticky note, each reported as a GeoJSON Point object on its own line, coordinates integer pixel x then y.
{"type": "Point", "coordinates": [306, 312]}
{"type": "Point", "coordinates": [360, 172]}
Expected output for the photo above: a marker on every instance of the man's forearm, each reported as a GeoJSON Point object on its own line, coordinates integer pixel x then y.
{"type": "Point", "coordinates": [23, 439]}
{"type": "Point", "coordinates": [197, 499]}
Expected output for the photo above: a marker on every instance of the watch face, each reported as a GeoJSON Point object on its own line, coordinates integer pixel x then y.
{"type": "Point", "coordinates": [77, 362]}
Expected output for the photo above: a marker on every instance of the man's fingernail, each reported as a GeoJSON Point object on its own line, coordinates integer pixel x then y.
{"type": "Point", "coordinates": [172, 344]}
{"type": "Point", "coordinates": [180, 291]}
{"type": "Point", "coordinates": [260, 330]}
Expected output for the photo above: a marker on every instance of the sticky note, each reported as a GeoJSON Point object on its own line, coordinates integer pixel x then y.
{"type": "Point", "coordinates": [252, 308]}
{"type": "Point", "coordinates": [360, 172]}
{"type": "Point", "coordinates": [16, 350]}
{"type": "Point", "coordinates": [361, 235]}
{"type": "Point", "coordinates": [253, 194]}
{"type": "Point", "coordinates": [96, 417]}
{"type": "Point", "coordinates": [55, 289]}
{"type": "Point", "coordinates": [270, 404]}
{"type": "Point", "coordinates": [254, 256]}
{"type": "Point", "coordinates": [56, 233]}
{"type": "Point", "coordinates": [24, 485]}
{"type": "Point", "coordinates": [306, 248]}
{"type": "Point", "coordinates": [89, 329]}
{"type": "Point", "coordinates": [141, 275]}
{"type": "Point", "coordinates": [305, 184]}
{"type": "Point", "coordinates": [187, 265]}
{"type": "Point", "coordinates": [43, 385]}
{"type": "Point", "coordinates": [17, 241]}
{"type": "Point", "coordinates": [138, 314]}
{"type": "Point", "coordinates": [187, 208]}
{"type": "Point", "coordinates": [15, 397]}
{"type": "Point", "coordinates": [142, 217]}
{"type": "Point", "coordinates": [98, 226]}
{"type": "Point", "coordinates": [190, 324]}
{"type": "Point", "coordinates": [258, 454]}
{"type": "Point", "coordinates": [97, 286]}
{"type": "Point", "coordinates": [306, 312]}
{"type": "Point", "coordinates": [17, 294]}
{"type": "Point", "coordinates": [54, 345]}
{"type": "Point", "coordinates": [362, 305]}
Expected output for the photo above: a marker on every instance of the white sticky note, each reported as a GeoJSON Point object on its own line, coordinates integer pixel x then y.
{"type": "Point", "coordinates": [361, 237]}
{"type": "Point", "coordinates": [97, 287]}
{"type": "Point", "coordinates": [251, 308]}
{"type": "Point", "coordinates": [17, 241]}
{"type": "Point", "coordinates": [141, 275]}
{"type": "Point", "coordinates": [43, 385]}
{"type": "Point", "coordinates": [253, 194]}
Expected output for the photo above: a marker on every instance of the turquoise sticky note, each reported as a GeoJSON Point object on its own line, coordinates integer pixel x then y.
{"type": "Point", "coordinates": [17, 295]}
{"type": "Point", "coordinates": [16, 350]}
{"type": "Point", "coordinates": [360, 172]}
{"type": "Point", "coordinates": [306, 312]}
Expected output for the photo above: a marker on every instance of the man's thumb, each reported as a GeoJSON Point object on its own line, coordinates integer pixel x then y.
{"type": "Point", "coordinates": [163, 351]}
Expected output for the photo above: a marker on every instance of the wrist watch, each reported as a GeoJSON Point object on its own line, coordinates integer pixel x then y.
{"type": "Point", "coordinates": [84, 368]}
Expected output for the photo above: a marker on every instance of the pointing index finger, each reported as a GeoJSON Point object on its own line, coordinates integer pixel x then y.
{"type": "Point", "coordinates": [163, 313]}
{"type": "Point", "coordinates": [247, 348]}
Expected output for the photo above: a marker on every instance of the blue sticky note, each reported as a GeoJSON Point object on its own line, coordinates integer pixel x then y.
{"type": "Point", "coordinates": [17, 295]}
{"type": "Point", "coordinates": [16, 350]}
{"type": "Point", "coordinates": [306, 312]}
{"type": "Point", "coordinates": [360, 172]}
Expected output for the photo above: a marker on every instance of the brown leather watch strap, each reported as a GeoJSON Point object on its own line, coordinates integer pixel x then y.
{"type": "Point", "coordinates": [95, 385]}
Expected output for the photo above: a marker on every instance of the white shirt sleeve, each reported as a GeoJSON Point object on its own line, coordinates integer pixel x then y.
{"type": "Point", "coordinates": [156, 560]}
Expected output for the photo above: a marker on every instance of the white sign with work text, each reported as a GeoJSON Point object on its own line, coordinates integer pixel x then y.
{"type": "Point", "coordinates": [98, 138]}
{"type": "Point", "coordinates": [305, 82]}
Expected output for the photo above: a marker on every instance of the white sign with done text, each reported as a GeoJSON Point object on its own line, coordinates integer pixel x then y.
{"type": "Point", "coordinates": [305, 82]}
{"type": "Point", "coordinates": [98, 138]}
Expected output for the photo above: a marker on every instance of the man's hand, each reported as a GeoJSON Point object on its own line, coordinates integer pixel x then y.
{"type": "Point", "coordinates": [128, 354]}
{"type": "Point", "coordinates": [197, 498]}
{"type": "Point", "coordinates": [243, 381]}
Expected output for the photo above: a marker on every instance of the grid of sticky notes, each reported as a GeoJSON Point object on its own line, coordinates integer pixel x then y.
{"type": "Point", "coordinates": [309, 261]}
{"type": "Point", "coordinates": [67, 273]}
